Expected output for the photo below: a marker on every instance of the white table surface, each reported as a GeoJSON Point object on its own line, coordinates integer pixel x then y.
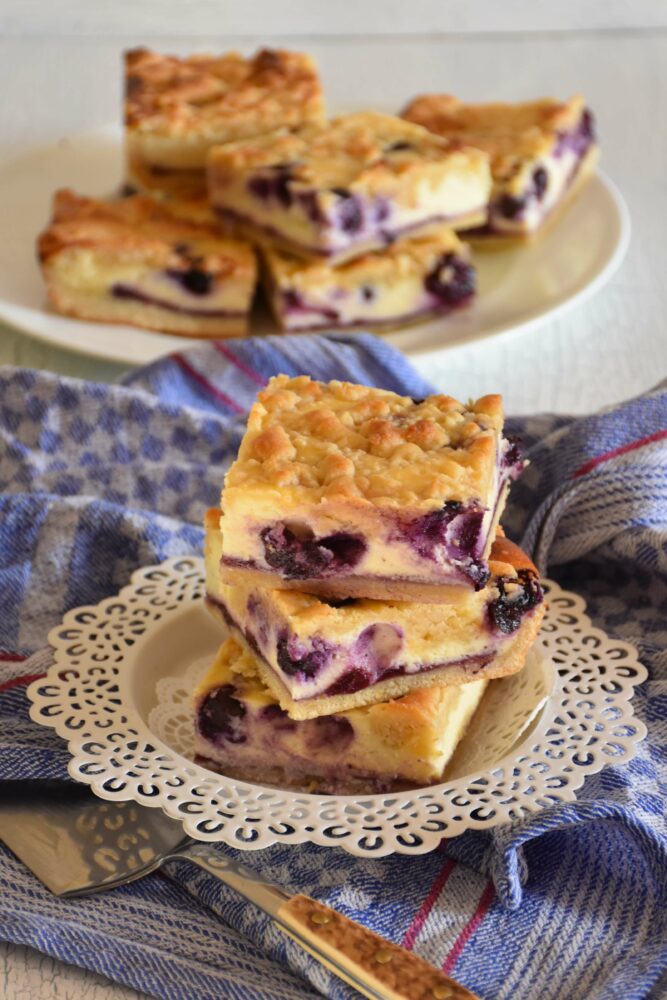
{"type": "Point", "coordinates": [610, 348]}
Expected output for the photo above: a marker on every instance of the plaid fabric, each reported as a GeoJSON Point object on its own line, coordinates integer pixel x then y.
{"type": "Point", "coordinates": [571, 903]}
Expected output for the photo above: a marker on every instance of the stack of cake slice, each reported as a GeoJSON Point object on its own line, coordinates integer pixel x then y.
{"type": "Point", "coordinates": [367, 589]}
{"type": "Point", "coordinates": [355, 218]}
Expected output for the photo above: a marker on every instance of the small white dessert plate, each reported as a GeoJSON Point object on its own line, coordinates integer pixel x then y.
{"type": "Point", "coordinates": [518, 288]}
{"type": "Point", "coordinates": [119, 692]}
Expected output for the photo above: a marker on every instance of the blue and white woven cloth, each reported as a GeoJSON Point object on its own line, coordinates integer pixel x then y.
{"type": "Point", "coordinates": [571, 903]}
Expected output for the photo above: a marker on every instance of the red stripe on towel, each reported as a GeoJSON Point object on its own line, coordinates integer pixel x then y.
{"type": "Point", "coordinates": [623, 450]}
{"type": "Point", "coordinates": [470, 928]}
{"type": "Point", "coordinates": [20, 681]}
{"type": "Point", "coordinates": [211, 389]}
{"type": "Point", "coordinates": [421, 916]}
{"type": "Point", "coordinates": [241, 365]}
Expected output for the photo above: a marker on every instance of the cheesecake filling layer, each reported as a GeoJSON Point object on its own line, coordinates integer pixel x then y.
{"type": "Point", "coordinates": [320, 665]}
{"type": "Point", "coordinates": [306, 239]}
{"type": "Point", "coordinates": [546, 183]}
{"type": "Point", "coordinates": [450, 284]}
{"type": "Point", "coordinates": [338, 221]}
{"type": "Point", "coordinates": [449, 545]}
{"type": "Point", "coordinates": [239, 726]}
{"type": "Point", "coordinates": [137, 293]}
{"type": "Point", "coordinates": [190, 291]}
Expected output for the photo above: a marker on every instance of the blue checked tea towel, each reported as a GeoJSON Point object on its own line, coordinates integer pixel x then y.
{"type": "Point", "coordinates": [570, 903]}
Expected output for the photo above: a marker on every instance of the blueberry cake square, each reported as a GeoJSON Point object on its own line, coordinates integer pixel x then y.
{"type": "Point", "coordinates": [541, 152]}
{"type": "Point", "coordinates": [177, 108]}
{"type": "Point", "coordinates": [137, 261]}
{"type": "Point", "coordinates": [413, 278]}
{"type": "Point", "coordinates": [342, 490]}
{"type": "Point", "coordinates": [320, 656]}
{"type": "Point", "coordinates": [349, 186]}
{"type": "Point", "coordinates": [241, 731]}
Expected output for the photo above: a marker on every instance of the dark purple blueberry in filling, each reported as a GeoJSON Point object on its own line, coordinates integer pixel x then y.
{"type": "Point", "coordinates": [299, 558]}
{"type": "Point", "coordinates": [540, 182]}
{"type": "Point", "coordinates": [374, 656]}
{"type": "Point", "coordinates": [260, 624]}
{"type": "Point", "coordinates": [278, 718]}
{"type": "Point", "coordinates": [351, 681]}
{"type": "Point", "coordinates": [253, 606]}
{"type": "Point", "coordinates": [506, 612]}
{"type": "Point", "coordinates": [382, 210]}
{"type": "Point", "coordinates": [349, 211]}
{"type": "Point", "coordinates": [281, 185]}
{"type": "Point", "coordinates": [587, 125]}
{"type": "Point", "coordinates": [221, 715]}
{"type": "Point", "coordinates": [510, 207]}
{"type": "Point", "coordinates": [273, 712]}
{"type": "Point", "coordinates": [311, 206]}
{"type": "Point", "coordinates": [292, 299]}
{"type": "Point", "coordinates": [367, 293]}
{"type": "Point", "coordinates": [579, 138]}
{"type": "Point", "coordinates": [294, 657]}
{"type": "Point", "coordinates": [342, 602]}
{"type": "Point", "coordinates": [451, 534]}
{"type": "Point", "coordinates": [261, 187]}
{"type": "Point", "coordinates": [513, 456]}
{"type": "Point", "coordinates": [330, 731]}
{"type": "Point", "coordinates": [194, 280]}
{"type": "Point", "coordinates": [452, 280]}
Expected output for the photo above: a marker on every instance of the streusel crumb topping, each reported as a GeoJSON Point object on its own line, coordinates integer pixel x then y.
{"type": "Point", "coordinates": [507, 132]}
{"type": "Point", "coordinates": [348, 442]}
{"type": "Point", "coordinates": [140, 227]}
{"type": "Point", "coordinates": [355, 152]}
{"type": "Point", "coordinates": [226, 96]}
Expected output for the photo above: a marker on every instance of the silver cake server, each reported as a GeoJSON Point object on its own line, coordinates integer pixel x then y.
{"type": "Point", "coordinates": [77, 844]}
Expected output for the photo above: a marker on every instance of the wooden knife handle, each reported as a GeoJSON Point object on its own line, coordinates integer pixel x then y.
{"type": "Point", "coordinates": [374, 966]}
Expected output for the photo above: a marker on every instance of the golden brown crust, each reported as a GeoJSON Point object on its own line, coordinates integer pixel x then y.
{"type": "Point", "coordinates": [175, 183]}
{"type": "Point", "coordinates": [505, 553]}
{"type": "Point", "coordinates": [353, 152]}
{"type": "Point", "coordinates": [140, 228]}
{"type": "Point", "coordinates": [344, 441]}
{"type": "Point", "coordinates": [224, 97]}
{"type": "Point", "coordinates": [372, 587]}
{"type": "Point", "coordinates": [507, 132]}
{"type": "Point", "coordinates": [102, 310]}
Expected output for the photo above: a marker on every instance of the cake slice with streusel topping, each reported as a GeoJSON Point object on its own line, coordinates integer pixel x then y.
{"type": "Point", "coordinates": [241, 731]}
{"type": "Point", "coordinates": [342, 490]}
{"type": "Point", "coordinates": [177, 108]}
{"type": "Point", "coordinates": [413, 278]}
{"type": "Point", "coordinates": [541, 153]}
{"type": "Point", "coordinates": [137, 261]}
{"type": "Point", "coordinates": [349, 186]}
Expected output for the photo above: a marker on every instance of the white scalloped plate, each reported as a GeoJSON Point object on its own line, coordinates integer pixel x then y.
{"type": "Point", "coordinates": [519, 289]}
{"type": "Point", "coordinates": [118, 692]}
